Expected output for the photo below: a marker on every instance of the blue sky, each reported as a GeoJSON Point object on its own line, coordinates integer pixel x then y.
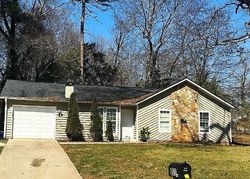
{"type": "Point", "coordinates": [102, 27]}
{"type": "Point", "coordinates": [98, 24]}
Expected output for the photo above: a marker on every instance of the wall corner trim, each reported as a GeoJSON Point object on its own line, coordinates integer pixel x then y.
{"type": "Point", "coordinates": [5, 117]}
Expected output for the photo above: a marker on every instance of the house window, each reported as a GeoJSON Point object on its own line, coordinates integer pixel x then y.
{"type": "Point", "coordinates": [111, 115]}
{"type": "Point", "coordinates": [204, 121]}
{"type": "Point", "coordinates": [164, 120]}
{"type": "Point", "coordinates": [106, 114]}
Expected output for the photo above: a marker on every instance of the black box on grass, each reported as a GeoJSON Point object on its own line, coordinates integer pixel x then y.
{"type": "Point", "coordinates": [180, 170]}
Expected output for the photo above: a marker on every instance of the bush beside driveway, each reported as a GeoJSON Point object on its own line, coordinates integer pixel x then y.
{"type": "Point", "coordinates": [151, 160]}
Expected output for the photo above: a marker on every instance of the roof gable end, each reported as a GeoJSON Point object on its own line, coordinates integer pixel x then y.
{"type": "Point", "coordinates": [194, 84]}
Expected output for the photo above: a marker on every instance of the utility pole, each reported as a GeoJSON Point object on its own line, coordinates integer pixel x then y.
{"type": "Point", "coordinates": [82, 48]}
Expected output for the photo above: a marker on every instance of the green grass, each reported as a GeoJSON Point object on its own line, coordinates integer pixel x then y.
{"type": "Point", "coordinates": [151, 160]}
{"type": "Point", "coordinates": [2, 141]}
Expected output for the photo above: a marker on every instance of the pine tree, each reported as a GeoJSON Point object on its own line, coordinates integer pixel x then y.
{"type": "Point", "coordinates": [96, 123]}
{"type": "Point", "coordinates": [109, 132]}
{"type": "Point", "coordinates": [74, 127]}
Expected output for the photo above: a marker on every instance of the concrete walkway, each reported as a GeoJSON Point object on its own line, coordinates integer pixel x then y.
{"type": "Point", "coordinates": [38, 159]}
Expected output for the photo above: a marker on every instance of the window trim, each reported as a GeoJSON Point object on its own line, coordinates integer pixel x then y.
{"type": "Point", "coordinates": [159, 120]}
{"type": "Point", "coordinates": [209, 121]}
{"type": "Point", "coordinates": [116, 117]}
{"type": "Point", "coordinates": [104, 120]}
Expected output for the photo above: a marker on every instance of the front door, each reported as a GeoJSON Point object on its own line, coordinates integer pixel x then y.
{"type": "Point", "coordinates": [127, 124]}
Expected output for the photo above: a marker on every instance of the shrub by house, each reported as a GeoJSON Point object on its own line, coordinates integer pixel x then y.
{"type": "Point", "coordinates": [74, 127]}
{"type": "Point", "coordinates": [109, 131]}
{"type": "Point", "coordinates": [96, 123]}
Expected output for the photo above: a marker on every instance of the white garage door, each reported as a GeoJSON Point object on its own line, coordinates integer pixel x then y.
{"type": "Point", "coordinates": [34, 122]}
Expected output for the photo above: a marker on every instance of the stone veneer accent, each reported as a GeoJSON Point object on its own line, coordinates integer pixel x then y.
{"type": "Point", "coordinates": [184, 111]}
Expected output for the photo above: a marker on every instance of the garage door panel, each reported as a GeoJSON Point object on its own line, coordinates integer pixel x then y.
{"type": "Point", "coordinates": [34, 122]}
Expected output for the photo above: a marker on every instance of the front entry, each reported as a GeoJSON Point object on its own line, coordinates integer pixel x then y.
{"type": "Point", "coordinates": [127, 124]}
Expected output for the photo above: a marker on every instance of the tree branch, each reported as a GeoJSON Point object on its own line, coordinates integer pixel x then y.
{"type": "Point", "coordinates": [4, 16]}
{"type": "Point", "coordinates": [234, 40]}
{"type": "Point", "coordinates": [55, 7]}
{"type": "Point", "coordinates": [4, 33]}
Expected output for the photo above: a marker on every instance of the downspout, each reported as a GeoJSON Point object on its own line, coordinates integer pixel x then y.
{"type": "Point", "coordinates": [137, 123]}
{"type": "Point", "coordinates": [5, 117]}
{"type": "Point", "coordinates": [119, 123]}
{"type": "Point", "coordinates": [231, 125]}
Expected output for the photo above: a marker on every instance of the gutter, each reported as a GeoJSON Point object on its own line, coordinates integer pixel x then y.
{"type": "Point", "coordinates": [66, 101]}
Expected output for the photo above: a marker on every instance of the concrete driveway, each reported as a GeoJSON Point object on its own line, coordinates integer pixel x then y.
{"type": "Point", "coordinates": [32, 158]}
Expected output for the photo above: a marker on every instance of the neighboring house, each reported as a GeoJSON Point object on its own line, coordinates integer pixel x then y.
{"type": "Point", "coordinates": [182, 112]}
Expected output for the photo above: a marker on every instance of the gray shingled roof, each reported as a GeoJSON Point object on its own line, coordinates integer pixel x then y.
{"type": "Point", "coordinates": [24, 89]}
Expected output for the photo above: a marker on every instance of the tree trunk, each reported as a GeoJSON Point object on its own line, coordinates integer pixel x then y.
{"type": "Point", "coordinates": [13, 70]}
{"type": "Point", "coordinates": [149, 65]}
{"type": "Point", "coordinates": [82, 48]}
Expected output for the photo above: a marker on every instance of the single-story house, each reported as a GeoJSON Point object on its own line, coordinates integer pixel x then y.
{"type": "Point", "coordinates": [181, 112]}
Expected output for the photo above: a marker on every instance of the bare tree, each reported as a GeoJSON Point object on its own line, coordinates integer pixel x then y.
{"type": "Point", "coordinates": [180, 38]}
{"type": "Point", "coordinates": [127, 54]}
{"type": "Point", "coordinates": [152, 23]}
{"type": "Point", "coordinates": [235, 38]}
{"type": "Point", "coordinates": [203, 58]}
{"type": "Point", "coordinates": [239, 87]}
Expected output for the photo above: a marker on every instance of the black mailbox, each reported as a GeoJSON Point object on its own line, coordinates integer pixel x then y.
{"type": "Point", "coordinates": [180, 170]}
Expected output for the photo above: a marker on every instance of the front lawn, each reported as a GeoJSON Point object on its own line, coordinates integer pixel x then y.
{"type": "Point", "coordinates": [4, 141]}
{"type": "Point", "coordinates": [151, 160]}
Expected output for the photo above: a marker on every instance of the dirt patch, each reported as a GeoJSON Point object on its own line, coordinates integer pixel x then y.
{"type": "Point", "coordinates": [37, 162]}
{"type": "Point", "coordinates": [242, 139]}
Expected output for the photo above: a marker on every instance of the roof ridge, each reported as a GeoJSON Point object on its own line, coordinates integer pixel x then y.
{"type": "Point", "coordinates": [34, 82]}
{"type": "Point", "coordinates": [129, 87]}
{"type": "Point", "coordinates": [142, 89]}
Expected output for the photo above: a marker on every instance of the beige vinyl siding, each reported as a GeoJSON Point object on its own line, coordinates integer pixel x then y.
{"type": "Point", "coordinates": [9, 122]}
{"type": "Point", "coordinates": [219, 116]}
{"type": "Point", "coordinates": [86, 122]}
{"type": "Point", "coordinates": [148, 116]}
{"type": "Point", "coordinates": [61, 122]}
